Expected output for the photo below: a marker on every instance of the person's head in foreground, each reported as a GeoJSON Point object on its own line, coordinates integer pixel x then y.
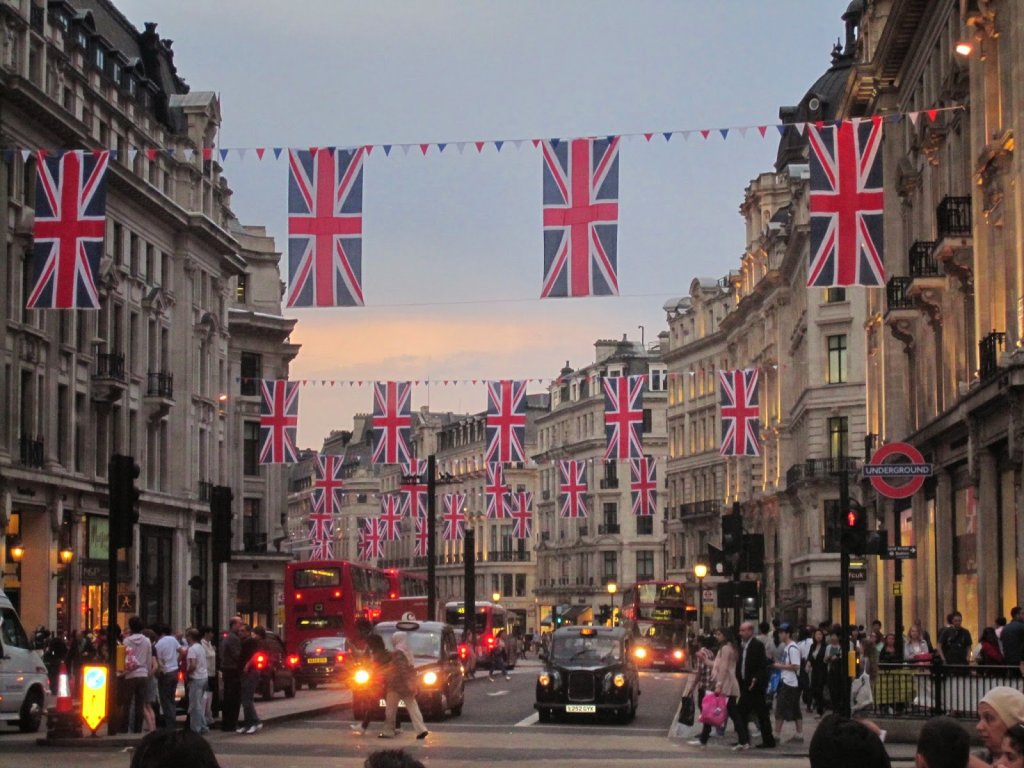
{"type": "Point", "coordinates": [843, 743]}
{"type": "Point", "coordinates": [392, 758]}
{"type": "Point", "coordinates": [1013, 748]}
{"type": "Point", "coordinates": [999, 709]}
{"type": "Point", "coordinates": [174, 749]}
{"type": "Point", "coordinates": [942, 743]}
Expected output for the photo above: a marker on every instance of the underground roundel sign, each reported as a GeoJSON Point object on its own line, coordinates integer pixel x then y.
{"type": "Point", "coordinates": [913, 469]}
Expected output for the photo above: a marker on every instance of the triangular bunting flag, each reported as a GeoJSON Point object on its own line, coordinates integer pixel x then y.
{"type": "Point", "coordinates": [424, 148]}
{"type": "Point", "coordinates": [241, 153]}
{"type": "Point", "coordinates": [801, 127]}
{"type": "Point", "coordinates": [517, 143]}
{"type": "Point", "coordinates": [762, 129]}
{"type": "Point", "coordinates": [913, 117]}
{"type": "Point", "coordinates": [224, 154]}
{"type": "Point", "coordinates": [724, 132]}
{"type": "Point", "coordinates": [369, 149]}
{"type": "Point", "coordinates": [648, 136]}
{"type": "Point", "coordinates": [440, 147]}
{"type": "Point", "coordinates": [132, 154]}
{"type": "Point", "coordinates": [536, 142]}
{"type": "Point", "coordinates": [387, 150]}
{"type": "Point", "coordinates": [781, 128]}
{"type": "Point", "coordinates": [705, 133]}
{"type": "Point", "coordinates": [668, 136]}
{"type": "Point", "coordinates": [150, 154]}
{"type": "Point", "coordinates": [460, 146]}
{"type": "Point", "coordinates": [405, 149]}
{"type": "Point", "coordinates": [169, 151]}
{"type": "Point", "coordinates": [25, 155]}
{"type": "Point", "coordinates": [743, 132]}
{"type": "Point", "coordinates": [479, 145]}
{"type": "Point", "coordinates": [260, 151]}
{"type": "Point", "coordinates": [498, 145]}
{"type": "Point", "coordinates": [189, 154]}
{"type": "Point", "coordinates": [277, 153]}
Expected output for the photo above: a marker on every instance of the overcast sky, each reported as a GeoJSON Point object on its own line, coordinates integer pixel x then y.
{"type": "Point", "coordinates": [452, 244]}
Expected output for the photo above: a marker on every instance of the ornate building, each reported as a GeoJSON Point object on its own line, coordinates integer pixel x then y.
{"type": "Point", "coordinates": [150, 374]}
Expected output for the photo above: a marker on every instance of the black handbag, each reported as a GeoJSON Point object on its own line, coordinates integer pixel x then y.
{"type": "Point", "coordinates": [686, 710]}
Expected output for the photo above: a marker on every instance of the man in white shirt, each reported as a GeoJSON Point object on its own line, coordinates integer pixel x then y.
{"type": "Point", "coordinates": [166, 649]}
{"type": "Point", "coordinates": [198, 673]}
{"type": "Point", "coordinates": [787, 697]}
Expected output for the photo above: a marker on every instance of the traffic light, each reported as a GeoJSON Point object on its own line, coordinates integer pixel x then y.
{"type": "Point", "coordinates": [220, 522]}
{"type": "Point", "coordinates": [124, 500]}
{"type": "Point", "coordinates": [855, 529]}
{"type": "Point", "coordinates": [732, 534]}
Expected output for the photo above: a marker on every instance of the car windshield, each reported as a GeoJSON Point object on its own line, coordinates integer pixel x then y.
{"type": "Point", "coordinates": [422, 642]}
{"type": "Point", "coordinates": [586, 649]}
{"type": "Point", "coordinates": [324, 643]}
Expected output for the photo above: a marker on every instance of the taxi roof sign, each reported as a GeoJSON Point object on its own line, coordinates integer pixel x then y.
{"type": "Point", "coordinates": [587, 631]}
{"type": "Point", "coordinates": [94, 695]}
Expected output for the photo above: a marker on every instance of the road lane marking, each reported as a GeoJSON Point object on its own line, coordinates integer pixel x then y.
{"type": "Point", "coordinates": [528, 720]}
{"type": "Point", "coordinates": [499, 693]}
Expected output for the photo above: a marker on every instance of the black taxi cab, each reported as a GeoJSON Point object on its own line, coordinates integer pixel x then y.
{"type": "Point", "coordinates": [442, 686]}
{"type": "Point", "coordinates": [588, 671]}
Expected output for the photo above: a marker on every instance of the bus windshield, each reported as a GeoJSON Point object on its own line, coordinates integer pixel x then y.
{"type": "Point", "coordinates": [306, 578]}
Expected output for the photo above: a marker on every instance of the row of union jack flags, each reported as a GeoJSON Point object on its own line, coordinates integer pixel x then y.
{"type": "Point", "coordinates": [580, 203]}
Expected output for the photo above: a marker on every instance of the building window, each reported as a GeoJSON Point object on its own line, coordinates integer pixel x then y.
{"type": "Point", "coordinates": [251, 448]}
{"type": "Point", "coordinates": [644, 565]}
{"type": "Point", "coordinates": [837, 359]}
{"type": "Point", "coordinates": [645, 525]}
{"type": "Point", "coordinates": [832, 530]}
{"type": "Point", "coordinates": [99, 59]}
{"type": "Point", "coordinates": [242, 289]}
{"type": "Point", "coordinates": [609, 566]}
{"type": "Point", "coordinates": [838, 437]}
{"type": "Point", "coordinates": [254, 536]}
{"type": "Point", "coordinates": [610, 514]}
{"type": "Point", "coordinates": [252, 372]}
{"type": "Point", "coordinates": [835, 295]}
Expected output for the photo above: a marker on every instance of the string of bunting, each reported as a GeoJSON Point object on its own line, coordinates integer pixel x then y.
{"type": "Point", "coordinates": [263, 153]}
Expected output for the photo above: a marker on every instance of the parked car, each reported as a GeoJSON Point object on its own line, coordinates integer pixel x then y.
{"type": "Point", "coordinates": [442, 684]}
{"type": "Point", "coordinates": [320, 660]}
{"type": "Point", "coordinates": [588, 671]}
{"type": "Point", "coordinates": [275, 673]}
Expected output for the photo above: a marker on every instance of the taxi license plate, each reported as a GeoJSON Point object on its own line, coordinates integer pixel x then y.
{"type": "Point", "coordinates": [580, 708]}
{"type": "Point", "coordinates": [317, 660]}
{"type": "Point", "coordinates": [401, 703]}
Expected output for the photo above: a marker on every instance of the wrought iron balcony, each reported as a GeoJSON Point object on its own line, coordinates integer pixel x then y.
{"type": "Point", "coordinates": [989, 349]}
{"type": "Point", "coordinates": [897, 293]}
{"type": "Point", "coordinates": [699, 508]}
{"type": "Point", "coordinates": [953, 216]}
{"type": "Point", "coordinates": [110, 365]}
{"type": "Point", "coordinates": [609, 482]}
{"type": "Point", "coordinates": [819, 469]}
{"type": "Point", "coordinates": [160, 384]}
{"type": "Point", "coordinates": [922, 259]}
{"type": "Point", "coordinates": [607, 528]}
{"type": "Point", "coordinates": [31, 451]}
{"type": "Point", "coordinates": [508, 557]}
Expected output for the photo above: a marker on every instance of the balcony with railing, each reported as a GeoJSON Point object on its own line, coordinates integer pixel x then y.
{"type": "Point", "coordinates": [608, 529]}
{"type": "Point", "coordinates": [955, 244]}
{"type": "Point", "coordinates": [254, 542]}
{"type": "Point", "coordinates": [507, 556]}
{"type": "Point", "coordinates": [819, 469]}
{"type": "Point", "coordinates": [160, 384]}
{"type": "Point", "coordinates": [953, 217]}
{"type": "Point", "coordinates": [108, 379]}
{"type": "Point", "coordinates": [897, 294]}
{"type": "Point", "coordinates": [31, 449]}
{"type": "Point", "coordinates": [922, 259]}
{"type": "Point", "coordinates": [700, 508]}
{"type": "Point", "coordinates": [607, 483]}
{"type": "Point", "coordinates": [989, 350]}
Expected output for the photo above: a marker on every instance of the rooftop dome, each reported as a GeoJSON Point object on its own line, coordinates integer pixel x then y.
{"type": "Point", "coordinates": [821, 102]}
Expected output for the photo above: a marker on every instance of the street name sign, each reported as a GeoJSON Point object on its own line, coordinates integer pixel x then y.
{"type": "Point", "coordinates": [902, 553]}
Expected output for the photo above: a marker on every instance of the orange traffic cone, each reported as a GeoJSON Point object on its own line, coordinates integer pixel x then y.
{"type": "Point", "coordinates": [63, 703]}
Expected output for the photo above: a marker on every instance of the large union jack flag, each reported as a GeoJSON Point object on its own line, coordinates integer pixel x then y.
{"type": "Point", "coordinates": [740, 413]}
{"type": "Point", "coordinates": [454, 517]}
{"type": "Point", "coordinates": [506, 421]}
{"type": "Point", "coordinates": [327, 483]}
{"type": "Point", "coordinates": [422, 537]}
{"type": "Point", "coordinates": [643, 485]}
{"type": "Point", "coordinates": [279, 419]}
{"type": "Point", "coordinates": [71, 208]}
{"type": "Point", "coordinates": [846, 243]}
{"type": "Point", "coordinates": [325, 227]}
{"type": "Point", "coordinates": [624, 416]}
{"type": "Point", "coordinates": [414, 488]}
{"type": "Point", "coordinates": [391, 517]}
{"type": "Point", "coordinates": [321, 531]}
{"type": "Point", "coordinates": [392, 422]}
{"type": "Point", "coordinates": [496, 492]}
{"type": "Point", "coordinates": [581, 212]}
{"type": "Point", "coordinates": [572, 489]}
{"type": "Point", "coordinates": [522, 515]}
{"type": "Point", "coordinates": [371, 539]}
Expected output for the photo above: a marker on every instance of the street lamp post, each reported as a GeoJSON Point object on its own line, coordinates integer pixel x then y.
{"type": "Point", "coordinates": [700, 570]}
{"type": "Point", "coordinates": [612, 589]}
{"type": "Point", "coordinates": [495, 597]}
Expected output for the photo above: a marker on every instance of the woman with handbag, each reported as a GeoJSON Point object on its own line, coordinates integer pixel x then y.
{"type": "Point", "coordinates": [725, 691]}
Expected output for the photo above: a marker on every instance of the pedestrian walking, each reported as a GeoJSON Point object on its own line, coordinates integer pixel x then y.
{"type": "Point", "coordinates": [752, 674]}
{"type": "Point", "coordinates": [138, 660]}
{"type": "Point", "coordinates": [402, 685]}
{"type": "Point", "coordinates": [198, 674]}
{"type": "Point", "coordinates": [787, 697]}
{"type": "Point", "coordinates": [250, 680]}
{"type": "Point", "coordinates": [231, 674]}
{"type": "Point", "coordinates": [166, 649]}
{"type": "Point", "coordinates": [497, 656]}
{"type": "Point", "coordinates": [723, 682]}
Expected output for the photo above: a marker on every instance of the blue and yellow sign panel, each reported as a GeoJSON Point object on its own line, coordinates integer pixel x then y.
{"type": "Point", "coordinates": [94, 695]}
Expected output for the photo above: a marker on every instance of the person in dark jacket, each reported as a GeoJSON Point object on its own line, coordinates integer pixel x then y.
{"type": "Point", "coordinates": [231, 675]}
{"type": "Point", "coordinates": [378, 657]}
{"type": "Point", "coordinates": [752, 674]}
{"type": "Point", "coordinates": [816, 669]}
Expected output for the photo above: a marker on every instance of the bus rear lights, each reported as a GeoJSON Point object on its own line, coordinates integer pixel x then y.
{"type": "Point", "coordinates": [337, 594]}
{"type": "Point", "coordinates": [298, 596]}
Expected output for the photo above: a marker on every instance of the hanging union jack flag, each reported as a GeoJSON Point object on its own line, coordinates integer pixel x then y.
{"type": "Point", "coordinates": [414, 488]}
{"type": "Point", "coordinates": [391, 517]}
{"type": "Point", "coordinates": [624, 416]}
{"type": "Point", "coordinates": [71, 209]}
{"type": "Point", "coordinates": [392, 422]}
{"type": "Point", "coordinates": [371, 540]}
{"type": "Point", "coordinates": [422, 536]}
{"type": "Point", "coordinates": [496, 492]}
{"type": "Point", "coordinates": [846, 243]}
{"type": "Point", "coordinates": [454, 517]}
{"type": "Point", "coordinates": [327, 482]}
{"type": "Point", "coordinates": [740, 413]}
{"type": "Point", "coordinates": [522, 514]}
{"type": "Point", "coordinates": [325, 227]}
{"type": "Point", "coordinates": [279, 419]}
{"type": "Point", "coordinates": [581, 212]}
{"type": "Point", "coordinates": [573, 489]}
{"type": "Point", "coordinates": [321, 531]}
{"type": "Point", "coordinates": [506, 421]}
{"type": "Point", "coordinates": [643, 486]}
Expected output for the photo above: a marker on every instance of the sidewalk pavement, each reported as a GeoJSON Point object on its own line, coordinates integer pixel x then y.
{"type": "Point", "coordinates": [305, 704]}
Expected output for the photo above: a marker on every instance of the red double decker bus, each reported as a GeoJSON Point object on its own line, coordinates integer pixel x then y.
{"type": "Point", "coordinates": [325, 598]}
{"type": "Point", "coordinates": [407, 597]}
{"type": "Point", "coordinates": [656, 614]}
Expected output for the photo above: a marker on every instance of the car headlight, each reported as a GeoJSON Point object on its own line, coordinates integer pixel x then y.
{"type": "Point", "coordinates": [544, 679]}
{"type": "Point", "coordinates": [619, 680]}
{"type": "Point", "coordinates": [430, 678]}
{"type": "Point", "coordinates": [362, 676]}
{"type": "Point", "coordinates": [640, 653]}
{"type": "Point", "coordinates": [678, 654]}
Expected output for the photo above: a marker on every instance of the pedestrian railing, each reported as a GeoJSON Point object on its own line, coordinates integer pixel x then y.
{"type": "Point", "coordinates": [928, 689]}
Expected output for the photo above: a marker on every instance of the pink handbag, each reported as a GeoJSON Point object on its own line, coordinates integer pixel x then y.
{"type": "Point", "coordinates": [714, 709]}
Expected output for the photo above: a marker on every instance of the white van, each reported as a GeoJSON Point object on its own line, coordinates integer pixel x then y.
{"type": "Point", "coordinates": [24, 684]}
